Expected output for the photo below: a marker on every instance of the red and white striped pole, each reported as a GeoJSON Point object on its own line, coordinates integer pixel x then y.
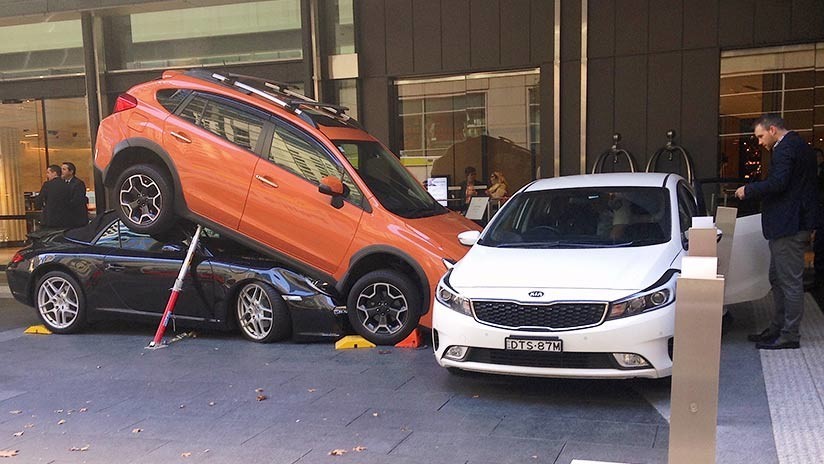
{"type": "Point", "coordinates": [178, 286]}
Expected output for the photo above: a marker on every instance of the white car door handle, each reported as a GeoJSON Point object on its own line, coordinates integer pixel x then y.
{"type": "Point", "coordinates": [266, 181]}
{"type": "Point", "coordinates": [180, 137]}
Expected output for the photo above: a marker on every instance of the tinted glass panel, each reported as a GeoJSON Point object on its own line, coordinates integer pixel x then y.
{"type": "Point", "coordinates": [171, 98]}
{"type": "Point", "coordinates": [237, 126]}
{"type": "Point", "coordinates": [582, 218]}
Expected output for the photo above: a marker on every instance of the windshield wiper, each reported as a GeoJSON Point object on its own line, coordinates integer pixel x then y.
{"type": "Point", "coordinates": [528, 245]}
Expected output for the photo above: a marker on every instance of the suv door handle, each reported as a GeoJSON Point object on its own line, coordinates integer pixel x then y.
{"type": "Point", "coordinates": [180, 137]}
{"type": "Point", "coordinates": [266, 181]}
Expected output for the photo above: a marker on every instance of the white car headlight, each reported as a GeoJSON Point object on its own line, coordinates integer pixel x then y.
{"type": "Point", "coordinates": [451, 299]}
{"type": "Point", "coordinates": [658, 297]}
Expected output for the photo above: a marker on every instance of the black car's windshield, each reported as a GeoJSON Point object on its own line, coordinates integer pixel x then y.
{"type": "Point", "coordinates": [389, 181]}
{"type": "Point", "coordinates": [582, 218]}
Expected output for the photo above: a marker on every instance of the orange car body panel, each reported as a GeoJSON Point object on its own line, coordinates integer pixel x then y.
{"type": "Point", "coordinates": [221, 181]}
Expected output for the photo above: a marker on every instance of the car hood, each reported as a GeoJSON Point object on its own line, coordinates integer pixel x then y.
{"type": "Point", "coordinates": [630, 268]}
{"type": "Point", "coordinates": [442, 232]}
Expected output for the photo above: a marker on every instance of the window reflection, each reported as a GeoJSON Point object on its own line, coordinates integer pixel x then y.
{"type": "Point", "coordinates": [488, 121]}
{"type": "Point", "coordinates": [225, 34]}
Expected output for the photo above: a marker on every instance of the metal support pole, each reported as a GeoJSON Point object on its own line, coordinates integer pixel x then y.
{"type": "Point", "coordinates": [176, 289]}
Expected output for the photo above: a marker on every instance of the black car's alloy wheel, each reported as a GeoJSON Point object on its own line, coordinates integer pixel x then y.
{"type": "Point", "coordinates": [384, 307]}
{"type": "Point", "coordinates": [261, 313]}
{"type": "Point", "coordinates": [61, 304]}
{"type": "Point", "coordinates": [144, 199]}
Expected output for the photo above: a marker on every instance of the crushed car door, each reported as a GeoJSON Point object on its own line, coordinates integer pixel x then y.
{"type": "Point", "coordinates": [142, 271]}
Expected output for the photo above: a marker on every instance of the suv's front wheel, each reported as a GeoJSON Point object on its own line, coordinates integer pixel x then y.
{"type": "Point", "coordinates": [384, 307]}
{"type": "Point", "coordinates": [144, 199]}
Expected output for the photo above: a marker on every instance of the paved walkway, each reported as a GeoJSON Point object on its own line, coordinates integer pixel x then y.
{"type": "Point", "coordinates": [196, 401]}
{"type": "Point", "coordinates": [795, 388]}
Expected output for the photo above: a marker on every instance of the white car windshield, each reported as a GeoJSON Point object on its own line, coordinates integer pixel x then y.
{"type": "Point", "coordinates": [582, 218]}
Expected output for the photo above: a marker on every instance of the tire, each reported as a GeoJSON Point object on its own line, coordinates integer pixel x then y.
{"type": "Point", "coordinates": [262, 315]}
{"type": "Point", "coordinates": [60, 302]}
{"type": "Point", "coordinates": [145, 199]}
{"type": "Point", "coordinates": [384, 307]}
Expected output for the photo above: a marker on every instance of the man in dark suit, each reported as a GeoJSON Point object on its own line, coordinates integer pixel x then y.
{"type": "Point", "coordinates": [78, 215]}
{"type": "Point", "coordinates": [53, 200]}
{"type": "Point", "coordinates": [789, 197]}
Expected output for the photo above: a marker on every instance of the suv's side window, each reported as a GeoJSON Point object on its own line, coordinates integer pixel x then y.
{"type": "Point", "coordinates": [294, 152]}
{"type": "Point", "coordinates": [243, 128]}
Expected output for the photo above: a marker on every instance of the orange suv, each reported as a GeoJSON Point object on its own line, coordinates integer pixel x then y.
{"type": "Point", "coordinates": [290, 177]}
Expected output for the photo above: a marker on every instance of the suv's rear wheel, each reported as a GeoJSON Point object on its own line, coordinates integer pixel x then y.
{"type": "Point", "coordinates": [144, 199]}
{"type": "Point", "coordinates": [383, 307]}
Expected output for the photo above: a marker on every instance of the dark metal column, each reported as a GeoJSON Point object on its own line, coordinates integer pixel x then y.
{"type": "Point", "coordinates": [306, 33]}
{"type": "Point", "coordinates": [92, 102]}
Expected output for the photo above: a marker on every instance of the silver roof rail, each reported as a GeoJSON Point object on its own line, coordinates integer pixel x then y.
{"type": "Point", "coordinates": [233, 81]}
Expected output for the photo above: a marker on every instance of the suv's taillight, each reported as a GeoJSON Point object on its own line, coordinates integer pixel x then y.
{"type": "Point", "coordinates": [16, 258]}
{"type": "Point", "coordinates": [124, 102]}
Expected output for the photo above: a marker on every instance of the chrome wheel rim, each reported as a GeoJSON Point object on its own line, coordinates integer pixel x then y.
{"type": "Point", "coordinates": [254, 312]}
{"type": "Point", "coordinates": [382, 308]}
{"type": "Point", "coordinates": [140, 199]}
{"type": "Point", "coordinates": [58, 302]}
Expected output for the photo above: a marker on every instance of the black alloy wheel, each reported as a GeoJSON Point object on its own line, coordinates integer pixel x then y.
{"type": "Point", "coordinates": [384, 307]}
{"type": "Point", "coordinates": [144, 200]}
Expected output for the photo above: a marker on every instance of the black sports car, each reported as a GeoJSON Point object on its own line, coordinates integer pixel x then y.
{"type": "Point", "coordinates": [106, 270]}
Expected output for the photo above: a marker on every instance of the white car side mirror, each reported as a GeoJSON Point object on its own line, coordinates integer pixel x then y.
{"type": "Point", "coordinates": [469, 237]}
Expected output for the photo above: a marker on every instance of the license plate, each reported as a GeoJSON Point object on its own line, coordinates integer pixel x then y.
{"type": "Point", "coordinates": [525, 344]}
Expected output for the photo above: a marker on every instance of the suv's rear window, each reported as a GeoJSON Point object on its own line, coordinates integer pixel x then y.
{"type": "Point", "coordinates": [171, 98]}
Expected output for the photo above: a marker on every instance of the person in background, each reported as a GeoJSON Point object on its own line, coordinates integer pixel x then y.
{"type": "Point", "coordinates": [790, 205]}
{"type": "Point", "coordinates": [499, 188]}
{"type": "Point", "coordinates": [78, 215]}
{"type": "Point", "coordinates": [468, 189]}
{"type": "Point", "coordinates": [818, 239]}
{"type": "Point", "coordinates": [53, 200]}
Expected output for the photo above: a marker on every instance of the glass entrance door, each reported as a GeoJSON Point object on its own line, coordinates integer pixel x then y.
{"type": "Point", "coordinates": [34, 134]}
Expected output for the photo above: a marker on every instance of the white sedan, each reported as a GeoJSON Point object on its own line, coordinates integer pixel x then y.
{"type": "Point", "coordinates": [574, 277]}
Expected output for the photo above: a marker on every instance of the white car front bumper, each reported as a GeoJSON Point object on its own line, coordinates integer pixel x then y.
{"type": "Point", "coordinates": [647, 335]}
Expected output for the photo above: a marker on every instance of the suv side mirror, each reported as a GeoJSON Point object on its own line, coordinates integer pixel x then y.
{"type": "Point", "coordinates": [334, 187]}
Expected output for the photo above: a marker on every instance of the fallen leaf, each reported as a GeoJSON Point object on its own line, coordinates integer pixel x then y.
{"type": "Point", "coordinates": [18, 434]}
{"type": "Point", "coordinates": [83, 409]}
{"type": "Point", "coordinates": [359, 449]}
{"type": "Point", "coordinates": [137, 430]}
{"type": "Point", "coordinates": [312, 390]}
{"type": "Point", "coordinates": [181, 406]}
{"type": "Point", "coordinates": [337, 452]}
{"type": "Point", "coordinates": [61, 422]}
{"type": "Point", "coordinates": [374, 414]}
{"type": "Point", "coordinates": [98, 367]}
{"type": "Point", "coordinates": [8, 453]}
{"type": "Point", "coordinates": [258, 390]}
{"type": "Point", "coordinates": [16, 412]}
{"type": "Point", "coordinates": [83, 448]}
{"type": "Point", "coordinates": [58, 411]}
{"type": "Point", "coordinates": [261, 397]}
{"type": "Point", "coordinates": [185, 455]}
{"type": "Point", "coordinates": [28, 426]}
{"type": "Point", "coordinates": [211, 403]}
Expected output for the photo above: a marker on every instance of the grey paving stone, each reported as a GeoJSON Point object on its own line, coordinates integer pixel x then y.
{"type": "Point", "coordinates": [618, 433]}
{"type": "Point", "coordinates": [185, 453]}
{"type": "Point", "coordinates": [436, 421]}
{"type": "Point", "coordinates": [194, 430]}
{"type": "Point", "coordinates": [49, 448]}
{"type": "Point", "coordinates": [611, 453]}
{"type": "Point", "coordinates": [376, 398]}
{"type": "Point", "coordinates": [448, 448]}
